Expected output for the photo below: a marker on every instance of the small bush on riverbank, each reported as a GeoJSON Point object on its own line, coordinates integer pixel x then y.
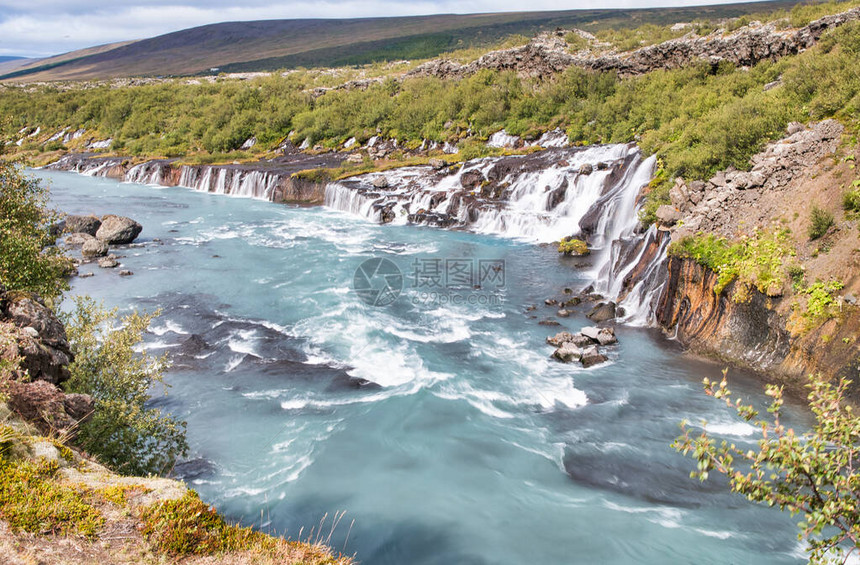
{"type": "Point", "coordinates": [813, 474]}
{"type": "Point", "coordinates": [123, 433]}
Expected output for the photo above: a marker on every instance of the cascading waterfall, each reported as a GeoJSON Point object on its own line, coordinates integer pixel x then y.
{"type": "Point", "coordinates": [231, 181]}
{"type": "Point", "coordinates": [591, 193]}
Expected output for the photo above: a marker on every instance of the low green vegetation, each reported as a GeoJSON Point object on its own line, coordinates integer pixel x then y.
{"type": "Point", "coordinates": [33, 500]}
{"type": "Point", "coordinates": [123, 432]}
{"type": "Point", "coordinates": [813, 474]}
{"type": "Point", "coordinates": [819, 222]}
{"type": "Point", "coordinates": [188, 526]}
{"type": "Point", "coordinates": [821, 305]}
{"type": "Point", "coordinates": [760, 261]}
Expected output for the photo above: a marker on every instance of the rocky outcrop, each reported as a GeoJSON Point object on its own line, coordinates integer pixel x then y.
{"type": "Point", "coordinates": [711, 206]}
{"type": "Point", "coordinates": [582, 347]}
{"type": "Point", "coordinates": [116, 230]}
{"type": "Point", "coordinates": [548, 53]}
{"type": "Point", "coordinates": [36, 355]}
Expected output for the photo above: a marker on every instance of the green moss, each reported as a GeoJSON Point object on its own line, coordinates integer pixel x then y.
{"type": "Point", "coordinates": [31, 499]}
{"type": "Point", "coordinates": [572, 246]}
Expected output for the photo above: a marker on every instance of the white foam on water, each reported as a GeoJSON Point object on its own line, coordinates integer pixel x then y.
{"type": "Point", "coordinates": [739, 429]}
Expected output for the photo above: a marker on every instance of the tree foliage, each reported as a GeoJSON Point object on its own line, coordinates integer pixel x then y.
{"type": "Point", "coordinates": [27, 259]}
{"type": "Point", "coordinates": [123, 433]}
{"type": "Point", "coordinates": [816, 474]}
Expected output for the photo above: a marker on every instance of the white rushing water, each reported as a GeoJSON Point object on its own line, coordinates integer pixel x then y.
{"type": "Point", "coordinates": [591, 193]}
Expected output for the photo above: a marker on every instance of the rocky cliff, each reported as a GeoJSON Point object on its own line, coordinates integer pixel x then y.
{"type": "Point", "coordinates": [809, 169]}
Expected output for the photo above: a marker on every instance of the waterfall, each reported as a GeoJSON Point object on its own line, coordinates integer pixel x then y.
{"type": "Point", "coordinates": [591, 193]}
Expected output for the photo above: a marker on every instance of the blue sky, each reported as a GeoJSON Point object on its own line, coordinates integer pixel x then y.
{"type": "Point", "coordinates": [39, 28]}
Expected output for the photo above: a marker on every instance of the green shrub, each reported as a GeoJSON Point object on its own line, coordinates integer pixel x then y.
{"type": "Point", "coordinates": [573, 246]}
{"type": "Point", "coordinates": [123, 433]}
{"type": "Point", "coordinates": [851, 199]}
{"type": "Point", "coordinates": [819, 222]}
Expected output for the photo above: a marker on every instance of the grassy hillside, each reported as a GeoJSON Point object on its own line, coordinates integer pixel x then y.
{"type": "Point", "coordinates": [276, 44]}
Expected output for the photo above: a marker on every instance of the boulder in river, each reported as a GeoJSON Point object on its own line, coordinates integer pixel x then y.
{"type": "Point", "coordinates": [74, 240]}
{"type": "Point", "coordinates": [591, 333]}
{"type": "Point", "coordinates": [82, 224]}
{"type": "Point", "coordinates": [603, 312]}
{"type": "Point", "coordinates": [606, 336]}
{"type": "Point", "coordinates": [591, 356]}
{"type": "Point", "coordinates": [94, 248]}
{"type": "Point", "coordinates": [559, 338]}
{"type": "Point", "coordinates": [118, 229]}
{"type": "Point", "coordinates": [567, 352]}
{"type": "Point", "coordinates": [380, 182]}
{"type": "Point", "coordinates": [108, 262]}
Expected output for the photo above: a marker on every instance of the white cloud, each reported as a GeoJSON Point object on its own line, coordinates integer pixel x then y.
{"type": "Point", "coordinates": [47, 27]}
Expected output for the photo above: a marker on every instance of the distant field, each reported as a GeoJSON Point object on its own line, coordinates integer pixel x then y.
{"type": "Point", "coordinates": [284, 44]}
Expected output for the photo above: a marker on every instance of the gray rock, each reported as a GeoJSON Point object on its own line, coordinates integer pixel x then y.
{"type": "Point", "coordinates": [591, 333]}
{"type": "Point", "coordinates": [603, 312]}
{"type": "Point", "coordinates": [559, 338]}
{"type": "Point", "coordinates": [591, 357]}
{"type": "Point", "coordinates": [118, 229]}
{"type": "Point", "coordinates": [82, 224]}
{"type": "Point", "coordinates": [794, 127]}
{"type": "Point", "coordinates": [77, 239]}
{"type": "Point", "coordinates": [563, 313]}
{"type": "Point", "coordinates": [108, 262]}
{"type": "Point", "coordinates": [567, 352]}
{"type": "Point", "coordinates": [437, 163]}
{"type": "Point", "coordinates": [606, 336]}
{"type": "Point", "coordinates": [125, 273]}
{"type": "Point", "coordinates": [668, 215]}
{"type": "Point", "coordinates": [586, 169]}
{"type": "Point", "coordinates": [380, 182]}
{"type": "Point", "coordinates": [94, 248]}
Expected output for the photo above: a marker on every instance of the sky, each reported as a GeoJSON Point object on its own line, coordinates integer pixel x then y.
{"type": "Point", "coordinates": [40, 28]}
